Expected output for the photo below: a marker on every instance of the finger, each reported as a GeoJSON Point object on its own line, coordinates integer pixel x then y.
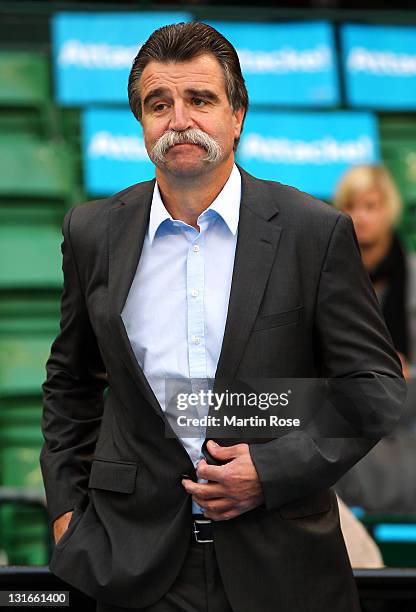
{"type": "Point", "coordinates": [204, 490]}
{"type": "Point", "coordinates": [218, 504]}
{"type": "Point", "coordinates": [225, 453]}
{"type": "Point", "coordinates": [210, 472]}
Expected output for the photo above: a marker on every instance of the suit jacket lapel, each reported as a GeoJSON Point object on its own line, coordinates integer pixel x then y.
{"type": "Point", "coordinates": [255, 252]}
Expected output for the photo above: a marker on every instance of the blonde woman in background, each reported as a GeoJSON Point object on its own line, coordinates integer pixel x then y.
{"type": "Point", "coordinates": [368, 194]}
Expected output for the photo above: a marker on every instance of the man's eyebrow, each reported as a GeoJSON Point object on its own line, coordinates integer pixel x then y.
{"type": "Point", "coordinates": [202, 93]}
{"type": "Point", "coordinates": [154, 93]}
{"type": "Point", "coordinates": [162, 91]}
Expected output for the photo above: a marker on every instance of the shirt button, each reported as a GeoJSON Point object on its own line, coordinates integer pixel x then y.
{"type": "Point", "coordinates": [196, 339]}
{"type": "Point", "coordinates": [194, 292]}
{"type": "Point", "coordinates": [195, 248]}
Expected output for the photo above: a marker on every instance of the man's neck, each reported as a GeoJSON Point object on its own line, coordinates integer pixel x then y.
{"type": "Point", "coordinates": [186, 199]}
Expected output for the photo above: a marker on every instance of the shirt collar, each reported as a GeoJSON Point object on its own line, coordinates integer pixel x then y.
{"type": "Point", "coordinates": [226, 205]}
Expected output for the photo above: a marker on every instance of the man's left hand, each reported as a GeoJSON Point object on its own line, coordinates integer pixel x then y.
{"type": "Point", "coordinates": [234, 487]}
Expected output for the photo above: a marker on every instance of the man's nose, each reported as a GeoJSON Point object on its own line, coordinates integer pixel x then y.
{"type": "Point", "coordinates": [180, 118]}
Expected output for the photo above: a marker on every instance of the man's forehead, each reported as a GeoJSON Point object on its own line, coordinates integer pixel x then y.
{"type": "Point", "coordinates": [203, 70]}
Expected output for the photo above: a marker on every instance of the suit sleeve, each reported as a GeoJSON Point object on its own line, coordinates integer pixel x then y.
{"type": "Point", "coordinates": [72, 394]}
{"type": "Point", "coordinates": [352, 343]}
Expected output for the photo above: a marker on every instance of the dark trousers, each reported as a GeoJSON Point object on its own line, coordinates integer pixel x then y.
{"type": "Point", "coordinates": [198, 587]}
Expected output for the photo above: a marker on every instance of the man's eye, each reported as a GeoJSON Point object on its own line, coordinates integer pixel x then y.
{"type": "Point", "coordinates": [159, 107]}
{"type": "Point", "coordinates": [198, 101]}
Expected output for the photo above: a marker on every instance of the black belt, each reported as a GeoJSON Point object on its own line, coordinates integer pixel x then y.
{"type": "Point", "coordinates": [202, 528]}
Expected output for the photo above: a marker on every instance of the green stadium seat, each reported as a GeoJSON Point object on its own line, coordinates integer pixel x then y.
{"type": "Point", "coordinates": [21, 122]}
{"type": "Point", "coordinates": [22, 361]}
{"type": "Point", "coordinates": [32, 168]}
{"type": "Point", "coordinates": [407, 228]}
{"type": "Point", "coordinates": [23, 527]}
{"type": "Point", "coordinates": [400, 158]}
{"type": "Point", "coordinates": [70, 126]}
{"type": "Point", "coordinates": [30, 257]}
{"type": "Point", "coordinates": [398, 150]}
{"type": "Point", "coordinates": [24, 79]}
{"type": "Point", "coordinates": [28, 326]}
{"type": "Point", "coordinates": [28, 310]}
{"type": "Point", "coordinates": [24, 534]}
{"type": "Point", "coordinates": [22, 212]}
{"type": "Point", "coordinates": [21, 440]}
{"type": "Point", "coordinates": [26, 104]}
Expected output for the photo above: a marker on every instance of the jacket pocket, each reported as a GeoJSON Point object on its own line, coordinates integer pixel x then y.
{"type": "Point", "coordinates": [277, 318]}
{"type": "Point", "coordinates": [307, 506]}
{"type": "Point", "coordinates": [111, 475]}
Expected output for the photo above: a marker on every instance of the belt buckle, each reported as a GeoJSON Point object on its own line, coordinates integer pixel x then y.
{"type": "Point", "coordinates": [196, 531]}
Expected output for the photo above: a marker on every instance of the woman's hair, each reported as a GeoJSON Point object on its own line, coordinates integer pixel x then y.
{"type": "Point", "coordinates": [360, 178]}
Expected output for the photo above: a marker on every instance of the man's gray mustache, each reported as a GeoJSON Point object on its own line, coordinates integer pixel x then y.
{"type": "Point", "coordinates": [192, 136]}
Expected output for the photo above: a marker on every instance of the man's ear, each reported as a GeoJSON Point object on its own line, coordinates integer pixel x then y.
{"type": "Point", "coordinates": [239, 118]}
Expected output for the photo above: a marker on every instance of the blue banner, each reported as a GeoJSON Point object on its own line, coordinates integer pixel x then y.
{"type": "Point", "coordinates": [114, 154]}
{"type": "Point", "coordinates": [380, 66]}
{"type": "Point", "coordinates": [93, 52]}
{"type": "Point", "coordinates": [286, 64]}
{"type": "Point", "coordinates": [309, 151]}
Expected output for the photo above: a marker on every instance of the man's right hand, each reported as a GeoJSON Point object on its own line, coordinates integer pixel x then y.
{"type": "Point", "coordinates": [60, 525]}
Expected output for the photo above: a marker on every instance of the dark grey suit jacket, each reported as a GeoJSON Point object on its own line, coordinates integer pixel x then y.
{"type": "Point", "coordinates": [301, 305]}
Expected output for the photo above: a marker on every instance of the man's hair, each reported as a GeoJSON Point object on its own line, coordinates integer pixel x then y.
{"type": "Point", "coordinates": [185, 41]}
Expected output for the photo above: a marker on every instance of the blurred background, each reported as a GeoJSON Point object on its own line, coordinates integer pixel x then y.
{"type": "Point", "coordinates": [332, 89]}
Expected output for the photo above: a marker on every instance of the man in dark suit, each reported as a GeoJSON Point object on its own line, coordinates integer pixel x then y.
{"type": "Point", "coordinates": [205, 272]}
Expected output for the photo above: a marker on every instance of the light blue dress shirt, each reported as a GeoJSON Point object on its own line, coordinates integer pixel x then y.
{"type": "Point", "coordinates": [177, 305]}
